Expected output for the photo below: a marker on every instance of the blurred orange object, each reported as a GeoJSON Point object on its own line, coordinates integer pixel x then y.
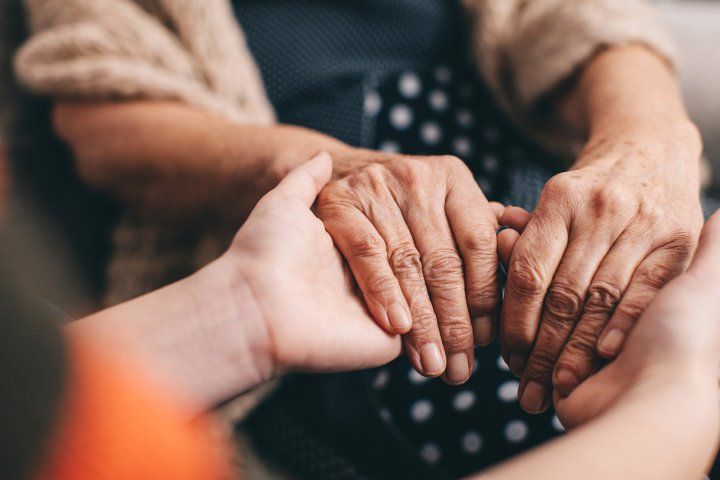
{"type": "Point", "coordinates": [113, 426]}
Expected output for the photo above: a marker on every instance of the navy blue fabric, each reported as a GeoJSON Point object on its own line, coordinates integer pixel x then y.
{"type": "Point", "coordinates": [318, 57]}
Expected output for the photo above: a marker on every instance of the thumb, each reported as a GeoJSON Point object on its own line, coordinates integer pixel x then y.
{"type": "Point", "coordinates": [306, 181]}
{"type": "Point", "coordinates": [706, 262]}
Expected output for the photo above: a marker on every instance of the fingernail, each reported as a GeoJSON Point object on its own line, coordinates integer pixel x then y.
{"type": "Point", "coordinates": [565, 379]}
{"type": "Point", "coordinates": [517, 365]}
{"type": "Point", "coordinates": [399, 318]}
{"type": "Point", "coordinates": [610, 344]}
{"type": "Point", "coordinates": [458, 369]}
{"type": "Point", "coordinates": [533, 398]}
{"type": "Point", "coordinates": [483, 331]}
{"type": "Point", "coordinates": [431, 359]}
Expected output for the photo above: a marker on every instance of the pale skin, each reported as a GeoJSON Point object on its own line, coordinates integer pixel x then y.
{"type": "Point", "coordinates": [653, 413]}
{"type": "Point", "coordinates": [425, 264]}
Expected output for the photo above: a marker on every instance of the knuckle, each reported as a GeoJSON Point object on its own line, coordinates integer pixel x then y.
{"type": "Point", "coordinates": [379, 285]}
{"type": "Point", "coordinates": [582, 345]}
{"type": "Point", "coordinates": [405, 261]}
{"type": "Point", "coordinates": [424, 324]}
{"type": "Point", "coordinates": [483, 296]}
{"type": "Point", "coordinates": [517, 337]}
{"type": "Point", "coordinates": [456, 335]}
{"type": "Point", "coordinates": [364, 244]}
{"type": "Point", "coordinates": [480, 241]}
{"type": "Point", "coordinates": [451, 162]}
{"type": "Point", "coordinates": [560, 183]}
{"type": "Point", "coordinates": [602, 298]}
{"type": "Point", "coordinates": [657, 275]}
{"type": "Point", "coordinates": [681, 241]}
{"type": "Point", "coordinates": [540, 365]}
{"type": "Point", "coordinates": [563, 302]}
{"type": "Point", "coordinates": [443, 268]}
{"type": "Point", "coordinates": [412, 170]}
{"type": "Point", "coordinates": [631, 308]}
{"type": "Point", "coordinates": [607, 201]}
{"type": "Point", "coordinates": [651, 214]}
{"type": "Point", "coordinates": [527, 278]}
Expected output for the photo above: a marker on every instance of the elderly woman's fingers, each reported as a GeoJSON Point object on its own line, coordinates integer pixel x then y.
{"type": "Point", "coordinates": [366, 253]}
{"type": "Point", "coordinates": [535, 258]}
{"type": "Point", "coordinates": [506, 241]}
{"type": "Point", "coordinates": [442, 269]}
{"type": "Point", "coordinates": [423, 342]}
{"type": "Point", "coordinates": [579, 358]}
{"type": "Point", "coordinates": [563, 305]}
{"type": "Point", "coordinates": [654, 273]}
{"type": "Point", "coordinates": [497, 209]}
{"type": "Point", "coordinates": [474, 232]}
{"type": "Point", "coordinates": [516, 218]}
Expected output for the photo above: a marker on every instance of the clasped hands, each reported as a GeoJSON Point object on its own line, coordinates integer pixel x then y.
{"type": "Point", "coordinates": [421, 255]}
{"type": "Point", "coordinates": [420, 239]}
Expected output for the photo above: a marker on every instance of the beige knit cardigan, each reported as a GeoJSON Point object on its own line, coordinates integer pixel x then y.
{"type": "Point", "coordinates": [193, 51]}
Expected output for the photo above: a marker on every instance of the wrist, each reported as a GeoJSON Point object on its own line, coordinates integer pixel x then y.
{"type": "Point", "coordinates": [645, 142]}
{"type": "Point", "coordinates": [238, 342]}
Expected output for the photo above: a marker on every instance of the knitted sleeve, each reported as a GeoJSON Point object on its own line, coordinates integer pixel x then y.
{"type": "Point", "coordinates": [120, 49]}
{"type": "Point", "coordinates": [527, 48]}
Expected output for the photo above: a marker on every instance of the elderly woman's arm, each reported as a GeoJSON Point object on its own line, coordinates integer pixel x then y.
{"type": "Point", "coordinates": [653, 412]}
{"type": "Point", "coordinates": [608, 234]}
{"type": "Point", "coordinates": [171, 161]}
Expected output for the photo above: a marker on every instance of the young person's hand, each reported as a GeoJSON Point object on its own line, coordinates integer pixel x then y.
{"type": "Point", "coordinates": [676, 342]}
{"type": "Point", "coordinates": [312, 316]}
{"type": "Point", "coordinates": [279, 300]}
{"type": "Point", "coordinates": [419, 236]}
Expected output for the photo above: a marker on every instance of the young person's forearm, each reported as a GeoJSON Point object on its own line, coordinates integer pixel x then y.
{"type": "Point", "coordinates": [664, 431]}
{"type": "Point", "coordinates": [182, 162]}
{"type": "Point", "coordinates": [202, 338]}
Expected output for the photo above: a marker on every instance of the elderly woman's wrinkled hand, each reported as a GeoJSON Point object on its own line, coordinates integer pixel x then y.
{"type": "Point", "coordinates": [419, 236]}
{"type": "Point", "coordinates": [604, 238]}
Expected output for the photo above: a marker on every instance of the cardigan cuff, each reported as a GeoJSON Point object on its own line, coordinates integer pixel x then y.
{"type": "Point", "coordinates": [555, 42]}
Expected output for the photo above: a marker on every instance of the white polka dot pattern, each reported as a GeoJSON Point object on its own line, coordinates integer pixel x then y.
{"type": "Point", "coordinates": [430, 452]}
{"type": "Point", "coordinates": [516, 431]}
{"type": "Point", "coordinates": [464, 401]}
{"type": "Point", "coordinates": [373, 103]}
{"type": "Point", "coordinates": [381, 379]}
{"type": "Point", "coordinates": [462, 147]}
{"type": "Point", "coordinates": [401, 117]}
{"type": "Point", "coordinates": [508, 391]}
{"type": "Point", "coordinates": [421, 411]}
{"type": "Point", "coordinates": [471, 443]}
{"type": "Point", "coordinates": [431, 133]}
{"type": "Point", "coordinates": [502, 365]}
{"type": "Point", "coordinates": [415, 378]}
{"type": "Point", "coordinates": [390, 146]}
{"type": "Point", "coordinates": [438, 100]}
{"type": "Point", "coordinates": [409, 85]}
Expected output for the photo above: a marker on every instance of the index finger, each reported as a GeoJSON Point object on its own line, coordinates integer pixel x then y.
{"type": "Point", "coordinates": [535, 258]}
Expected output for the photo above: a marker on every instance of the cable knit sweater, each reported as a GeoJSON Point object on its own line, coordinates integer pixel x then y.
{"type": "Point", "coordinates": [193, 51]}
